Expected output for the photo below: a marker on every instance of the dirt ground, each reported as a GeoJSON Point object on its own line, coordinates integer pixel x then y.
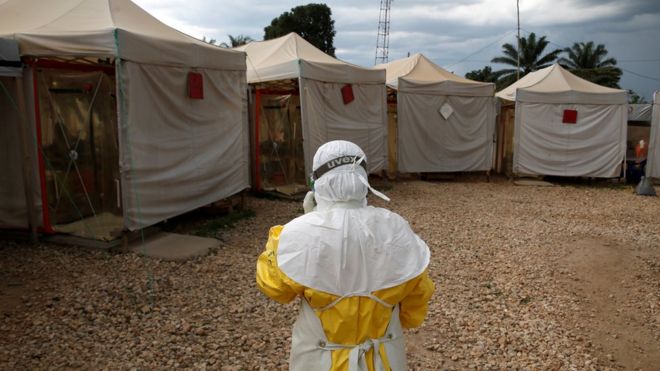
{"type": "Point", "coordinates": [539, 278]}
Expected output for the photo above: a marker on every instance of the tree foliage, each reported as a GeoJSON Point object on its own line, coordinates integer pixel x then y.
{"type": "Point", "coordinates": [634, 98]}
{"type": "Point", "coordinates": [211, 40]}
{"type": "Point", "coordinates": [590, 62]}
{"type": "Point", "coordinates": [532, 58]}
{"type": "Point", "coordinates": [485, 74]}
{"type": "Point", "coordinates": [313, 22]}
{"type": "Point", "coordinates": [237, 40]}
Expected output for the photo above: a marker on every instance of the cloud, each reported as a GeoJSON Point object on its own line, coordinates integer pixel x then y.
{"type": "Point", "coordinates": [462, 34]}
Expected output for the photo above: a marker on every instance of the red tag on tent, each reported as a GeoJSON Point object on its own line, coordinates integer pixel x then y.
{"type": "Point", "coordinates": [195, 85]}
{"type": "Point", "coordinates": [570, 116]}
{"type": "Point", "coordinates": [347, 93]}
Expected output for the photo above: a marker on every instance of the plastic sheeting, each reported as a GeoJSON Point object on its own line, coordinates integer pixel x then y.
{"type": "Point", "coordinates": [10, 61]}
{"type": "Point", "coordinates": [362, 121]}
{"type": "Point", "coordinates": [281, 160]}
{"type": "Point", "coordinates": [178, 154]}
{"type": "Point", "coordinates": [593, 147]}
{"type": "Point", "coordinates": [640, 112]}
{"type": "Point", "coordinates": [653, 163]}
{"type": "Point", "coordinates": [13, 210]}
{"type": "Point", "coordinates": [429, 142]}
{"type": "Point", "coordinates": [79, 145]}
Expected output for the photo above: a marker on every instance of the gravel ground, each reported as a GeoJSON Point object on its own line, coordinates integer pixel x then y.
{"type": "Point", "coordinates": [545, 278]}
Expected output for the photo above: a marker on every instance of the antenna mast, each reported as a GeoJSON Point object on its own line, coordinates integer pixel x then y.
{"type": "Point", "coordinates": [383, 37]}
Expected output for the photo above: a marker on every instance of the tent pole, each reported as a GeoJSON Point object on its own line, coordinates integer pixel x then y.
{"type": "Point", "coordinates": [518, 17]}
{"type": "Point", "coordinates": [27, 162]}
{"type": "Point", "coordinates": [257, 154]}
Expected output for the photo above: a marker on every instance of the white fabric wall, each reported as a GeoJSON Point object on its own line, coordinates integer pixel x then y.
{"type": "Point", "coordinates": [363, 121]}
{"type": "Point", "coordinates": [176, 153]}
{"type": "Point", "coordinates": [429, 143]}
{"type": "Point", "coordinates": [593, 147]}
{"type": "Point", "coordinates": [653, 162]}
{"type": "Point", "coordinates": [13, 211]}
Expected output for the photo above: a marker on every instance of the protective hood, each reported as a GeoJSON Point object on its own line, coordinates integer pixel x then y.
{"type": "Point", "coordinates": [345, 247]}
{"type": "Point", "coordinates": [344, 183]}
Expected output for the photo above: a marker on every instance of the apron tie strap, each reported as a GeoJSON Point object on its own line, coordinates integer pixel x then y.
{"type": "Point", "coordinates": [357, 358]}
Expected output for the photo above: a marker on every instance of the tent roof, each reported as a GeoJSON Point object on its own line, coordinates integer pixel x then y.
{"type": "Point", "coordinates": [554, 84]}
{"type": "Point", "coordinates": [80, 28]}
{"type": "Point", "coordinates": [419, 74]}
{"type": "Point", "coordinates": [291, 56]}
{"type": "Point", "coordinates": [640, 112]}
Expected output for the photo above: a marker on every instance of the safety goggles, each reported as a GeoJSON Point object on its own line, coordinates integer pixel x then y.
{"type": "Point", "coordinates": [336, 162]}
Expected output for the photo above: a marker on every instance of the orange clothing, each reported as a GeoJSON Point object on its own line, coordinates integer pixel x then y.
{"type": "Point", "coordinates": [641, 153]}
{"type": "Point", "coordinates": [354, 319]}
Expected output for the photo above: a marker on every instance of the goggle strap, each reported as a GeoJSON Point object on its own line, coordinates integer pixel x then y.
{"type": "Point", "coordinates": [336, 162]}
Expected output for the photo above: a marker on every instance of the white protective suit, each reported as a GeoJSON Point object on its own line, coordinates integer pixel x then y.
{"type": "Point", "coordinates": [345, 257]}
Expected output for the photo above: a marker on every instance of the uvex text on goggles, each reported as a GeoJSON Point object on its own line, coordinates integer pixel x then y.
{"type": "Point", "coordinates": [336, 162]}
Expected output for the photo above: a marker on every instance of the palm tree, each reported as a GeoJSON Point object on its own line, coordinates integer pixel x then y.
{"type": "Point", "coordinates": [531, 58]}
{"type": "Point", "coordinates": [211, 40]}
{"type": "Point", "coordinates": [238, 40]}
{"type": "Point", "coordinates": [590, 63]}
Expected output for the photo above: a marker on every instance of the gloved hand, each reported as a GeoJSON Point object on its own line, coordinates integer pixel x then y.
{"type": "Point", "coordinates": [309, 204]}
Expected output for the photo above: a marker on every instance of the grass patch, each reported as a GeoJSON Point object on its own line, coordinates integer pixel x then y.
{"type": "Point", "coordinates": [210, 228]}
{"type": "Point", "coordinates": [200, 223]}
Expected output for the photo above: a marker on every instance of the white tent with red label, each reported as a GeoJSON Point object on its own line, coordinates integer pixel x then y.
{"type": "Point", "coordinates": [567, 126]}
{"type": "Point", "coordinates": [334, 100]}
{"type": "Point", "coordinates": [133, 121]}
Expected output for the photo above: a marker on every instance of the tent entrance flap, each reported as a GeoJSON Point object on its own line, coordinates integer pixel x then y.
{"type": "Point", "coordinates": [280, 161]}
{"type": "Point", "coordinates": [79, 146]}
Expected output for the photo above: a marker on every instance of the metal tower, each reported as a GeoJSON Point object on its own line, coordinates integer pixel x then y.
{"type": "Point", "coordinates": [383, 37]}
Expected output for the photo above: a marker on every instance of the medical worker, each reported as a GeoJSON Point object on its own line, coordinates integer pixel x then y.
{"type": "Point", "coordinates": [360, 272]}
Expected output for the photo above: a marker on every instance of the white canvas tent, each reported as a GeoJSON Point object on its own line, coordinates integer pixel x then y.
{"type": "Point", "coordinates": [14, 174]}
{"type": "Point", "coordinates": [323, 113]}
{"type": "Point", "coordinates": [653, 162]}
{"type": "Point", "coordinates": [445, 123]}
{"type": "Point", "coordinates": [547, 142]}
{"type": "Point", "coordinates": [109, 85]}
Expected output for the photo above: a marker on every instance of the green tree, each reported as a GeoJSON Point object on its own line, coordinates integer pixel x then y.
{"type": "Point", "coordinates": [313, 22]}
{"type": "Point", "coordinates": [634, 98]}
{"type": "Point", "coordinates": [590, 62]}
{"type": "Point", "coordinates": [237, 40]}
{"type": "Point", "coordinates": [531, 58]}
{"type": "Point", "coordinates": [485, 74]}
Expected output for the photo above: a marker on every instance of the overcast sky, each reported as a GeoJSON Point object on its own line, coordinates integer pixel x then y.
{"type": "Point", "coordinates": [460, 35]}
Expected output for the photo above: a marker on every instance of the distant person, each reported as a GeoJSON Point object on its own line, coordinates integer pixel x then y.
{"type": "Point", "coordinates": [641, 151]}
{"type": "Point", "coordinates": [360, 272]}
